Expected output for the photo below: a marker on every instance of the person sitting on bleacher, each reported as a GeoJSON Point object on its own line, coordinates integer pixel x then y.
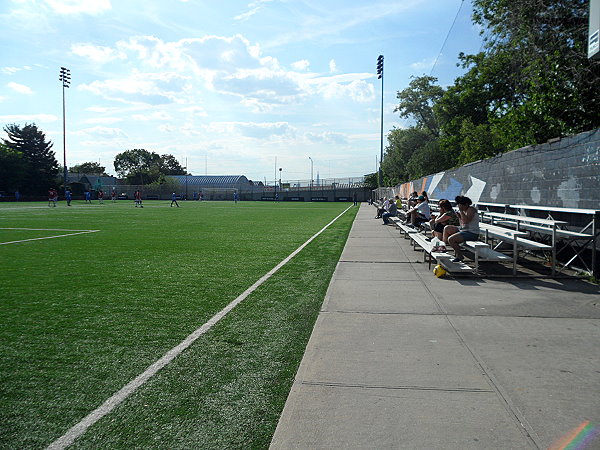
{"type": "Point", "coordinates": [412, 200]}
{"type": "Point", "coordinates": [391, 212]}
{"type": "Point", "coordinates": [398, 202]}
{"type": "Point", "coordinates": [383, 208]}
{"type": "Point", "coordinates": [447, 216]}
{"type": "Point", "coordinates": [420, 213]}
{"type": "Point", "coordinates": [468, 229]}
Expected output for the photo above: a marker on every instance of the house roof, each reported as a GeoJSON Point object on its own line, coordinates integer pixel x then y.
{"type": "Point", "coordinates": [221, 181]}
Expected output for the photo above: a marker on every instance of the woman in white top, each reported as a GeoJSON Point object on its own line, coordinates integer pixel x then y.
{"type": "Point", "coordinates": [468, 230]}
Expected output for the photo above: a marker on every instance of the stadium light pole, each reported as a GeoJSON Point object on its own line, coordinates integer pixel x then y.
{"type": "Point", "coordinates": [65, 78]}
{"type": "Point", "coordinates": [380, 73]}
{"type": "Point", "coordinates": [311, 176]}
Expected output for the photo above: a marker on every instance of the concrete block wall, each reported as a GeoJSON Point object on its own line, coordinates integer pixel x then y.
{"type": "Point", "coordinates": [564, 173]}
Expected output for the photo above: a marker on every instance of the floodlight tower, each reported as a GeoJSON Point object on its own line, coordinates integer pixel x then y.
{"type": "Point", "coordinates": [380, 73]}
{"type": "Point", "coordinates": [65, 78]}
{"type": "Point", "coordinates": [311, 176]}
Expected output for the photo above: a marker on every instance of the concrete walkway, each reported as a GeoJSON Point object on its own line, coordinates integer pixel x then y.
{"type": "Point", "coordinates": [401, 359]}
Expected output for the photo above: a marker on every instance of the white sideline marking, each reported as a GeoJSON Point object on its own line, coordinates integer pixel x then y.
{"type": "Point", "coordinates": [117, 398]}
{"type": "Point", "coordinates": [47, 237]}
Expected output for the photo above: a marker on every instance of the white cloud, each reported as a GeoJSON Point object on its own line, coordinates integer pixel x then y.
{"type": "Point", "coordinates": [351, 86]}
{"type": "Point", "coordinates": [103, 120]}
{"type": "Point", "coordinates": [327, 21]}
{"type": "Point", "coordinates": [195, 111]}
{"type": "Point", "coordinates": [157, 115]}
{"type": "Point", "coordinates": [301, 65]}
{"type": "Point", "coordinates": [255, 7]}
{"type": "Point", "coordinates": [148, 88]}
{"type": "Point", "coordinates": [20, 88]}
{"type": "Point", "coordinates": [92, 7]}
{"type": "Point", "coordinates": [167, 128]}
{"type": "Point", "coordinates": [103, 132]}
{"type": "Point", "coordinates": [12, 70]}
{"type": "Point", "coordinates": [229, 66]}
{"type": "Point", "coordinates": [98, 109]}
{"type": "Point", "coordinates": [423, 65]}
{"type": "Point", "coordinates": [332, 66]}
{"type": "Point", "coordinates": [256, 130]}
{"type": "Point", "coordinates": [97, 54]}
{"type": "Point", "coordinates": [327, 137]}
{"type": "Point", "coordinates": [42, 118]}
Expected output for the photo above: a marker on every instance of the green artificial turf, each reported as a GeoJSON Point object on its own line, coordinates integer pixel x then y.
{"type": "Point", "coordinates": [80, 316]}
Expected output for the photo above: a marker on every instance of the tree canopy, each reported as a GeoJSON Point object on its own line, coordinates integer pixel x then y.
{"type": "Point", "coordinates": [139, 166]}
{"type": "Point", "coordinates": [34, 163]}
{"type": "Point", "coordinates": [531, 83]}
{"type": "Point", "coordinates": [88, 168]}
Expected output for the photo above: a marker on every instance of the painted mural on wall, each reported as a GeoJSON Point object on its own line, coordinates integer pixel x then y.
{"type": "Point", "coordinates": [564, 173]}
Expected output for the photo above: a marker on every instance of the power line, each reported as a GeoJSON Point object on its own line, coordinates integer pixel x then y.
{"type": "Point", "coordinates": [448, 35]}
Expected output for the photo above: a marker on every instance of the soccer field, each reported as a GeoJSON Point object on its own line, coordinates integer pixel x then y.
{"type": "Point", "coordinates": [92, 295]}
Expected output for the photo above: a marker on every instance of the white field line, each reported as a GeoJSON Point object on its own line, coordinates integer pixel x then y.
{"type": "Point", "coordinates": [47, 237]}
{"type": "Point", "coordinates": [117, 398]}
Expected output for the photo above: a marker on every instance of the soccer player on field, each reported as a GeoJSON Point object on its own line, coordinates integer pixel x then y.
{"type": "Point", "coordinates": [50, 197]}
{"type": "Point", "coordinates": [174, 199]}
{"type": "Point", "coordinates": [113, 196]}
{"type": "Point", "coordinates": [138, 198]}
{"type": "Point", "coordinates": [101, 197]}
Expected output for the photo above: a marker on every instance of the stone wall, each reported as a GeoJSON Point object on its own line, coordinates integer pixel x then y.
{"type": "Point", "coordinates": [563, 173]}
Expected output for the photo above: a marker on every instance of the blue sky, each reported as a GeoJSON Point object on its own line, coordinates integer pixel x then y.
{"type": "Point", "coordinates": [233, 86]}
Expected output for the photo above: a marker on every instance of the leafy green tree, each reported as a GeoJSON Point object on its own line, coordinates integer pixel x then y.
{"type": "Point", "coordinates": [13, 168]}
{"type": "Point", "coordinates": [371, 181]}
{"type": "Point", "coordinates": [89, 168]}
{"type": "Point", "coordinates": [406, 148]}
{"type": "Point", "coordinates": [40, 161]}
{"type": "Point", "coordinates": [417, 101]}
{"type": "Point", "coordinates": [403, 144]}
{"type": "Point", "coordinates": [170, 166]}
{"type": "Point", "coordinates": [139, 166]}
{"type": "Point", "coordinates": [483, 91]}
{"type": "Point", "coordinates": [554, 87]}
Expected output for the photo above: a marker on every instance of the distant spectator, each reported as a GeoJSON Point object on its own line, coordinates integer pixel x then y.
{"type": "Point", "coordinates": [398, 201]}
{"type": "Point", "coordinates": [424, 194]}
{"type": "Point", "coordinates": [420, 213]}
{"type": "Point", "coordinates": [17, 196]}
{"type": "Point", "coordinates": [468, 229]}
{"type": "Point", "coordinates": [391, 212]}
{"type": "Point", "coordinates": [235, 197]}
{"type": "Point", "coordinates": [383, 208]}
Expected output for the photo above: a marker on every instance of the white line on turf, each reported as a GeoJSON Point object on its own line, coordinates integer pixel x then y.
{"type": "Point", "coordinates": [47, 237]}
{"type": "Point", "coordinates": [44, 229]}
{"type": "Point", "coordinates": [117, 398]}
